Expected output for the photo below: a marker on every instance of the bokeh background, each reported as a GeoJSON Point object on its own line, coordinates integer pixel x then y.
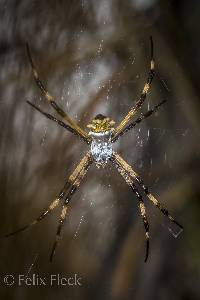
{"type": "Point", "coordinates": [94, 57]}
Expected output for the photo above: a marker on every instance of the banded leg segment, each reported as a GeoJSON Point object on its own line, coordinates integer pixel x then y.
{"type": "Point", "coordinates": [66, 126]}
{"type": "Point", "coordinates": [139, 180]}
{"type": "Point", "coordinates": [51, 100]}
{"type": "Point", "coordinates": [146, 225]}
{"type": "Point", "coordinates": [52, 205]}
{"type": "Point", "coordinates": [138, 120]}
{"type": "Point", "coordinates": [142, 208]}
{"type": "Point", "coordinates": [49, 209]}
{"type": "Point", "coordinates": [139, 103]}
{"type": "Point", "coordinates": [59, 229]}
{"type": "Point", "coordinates": [79, 169]}
{"type": "Point", "coordinates": [76, 178]}
{"type": "Point", "coordinates": [61, 223]}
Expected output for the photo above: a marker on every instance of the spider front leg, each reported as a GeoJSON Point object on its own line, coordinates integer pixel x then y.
{"type": "Point", "coordinates": [123, 164]}
{"type": "Point", "coordinates": [142, 208]}
{"type": "Point", "coordinates": [66, 126]}
{"type": "Point", "coordinates": [138, 120]}
{"type": "Point", "coordinates": [139, 103]}
{"type": "Point", "coordinates": [51, 100]}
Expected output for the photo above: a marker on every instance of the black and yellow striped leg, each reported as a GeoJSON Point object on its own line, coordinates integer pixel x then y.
{"type": "Point", "coordinates": [66, 126]}
{"type": "Point", "coordinates": [76, 178]}
{"type": "Point", "coordinates": [79, 171]}
{"type": "Point", "coordinates": [61, 221]}
{"type": "Point", "coordinates": [49, 209]}
{"type": "Point", "coordinates": [138, 120]}
{"type": "Point", "coordinates": [139, 103]}
{"type": "Point", "coordinates": [139, 180]}
{"type": "Point", "coordinates": [144, 218]}
{"type": "Point", "coordinates": [142, 208]}
{"type": "Point", "coordinates": [157, 203]}
{"type": "Point", "coordinates": [53, 204]}
{"type": "Point", "coordinates": [51, 100]}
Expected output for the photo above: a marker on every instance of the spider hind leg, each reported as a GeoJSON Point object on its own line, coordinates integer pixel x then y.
{"type": "Point", "coordinates": [140, 182]}
{"type": "Point", "coordinates": [59, 229]}
{"type": "Point", "coordinates": [130, 176]}
{"type": "Point", "coordinates": [144, 218]}
{"type": "Point", "coordinates": [52, 205]}
{"type": "Point", "coordinates": [142, 208]}
{"type": "Point", "coordinates": [75, 179]}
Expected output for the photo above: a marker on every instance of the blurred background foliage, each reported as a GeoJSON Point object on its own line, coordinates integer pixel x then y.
{"type": "Point", "coordinates": [94, 58]}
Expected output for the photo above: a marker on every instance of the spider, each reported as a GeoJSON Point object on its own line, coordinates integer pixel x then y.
{"type": "Point", "coordinates": [100, 138]}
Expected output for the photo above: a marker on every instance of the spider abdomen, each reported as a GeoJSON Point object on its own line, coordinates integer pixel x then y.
{"type": "Point", "coordinates": [101, 148]}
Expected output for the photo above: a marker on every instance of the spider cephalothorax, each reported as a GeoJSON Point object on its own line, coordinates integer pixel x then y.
{"type": "Point", "coordinates": [100, 138]}
{"type": "Point", "coordinates": [101, 125]}
{"type": "Point", "coordinates": [101, 129]}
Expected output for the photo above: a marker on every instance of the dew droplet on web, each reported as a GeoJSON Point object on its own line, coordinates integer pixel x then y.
{"type": "Point", "coordinates": [133, 61]}
{"type": "Point", "coordinates": [78, 227]}
{"type": "Point", "coordinates": [44, 137]}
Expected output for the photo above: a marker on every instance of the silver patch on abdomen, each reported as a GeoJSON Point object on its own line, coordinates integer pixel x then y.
{"type": "Point", "coordinates": [101, 148]}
